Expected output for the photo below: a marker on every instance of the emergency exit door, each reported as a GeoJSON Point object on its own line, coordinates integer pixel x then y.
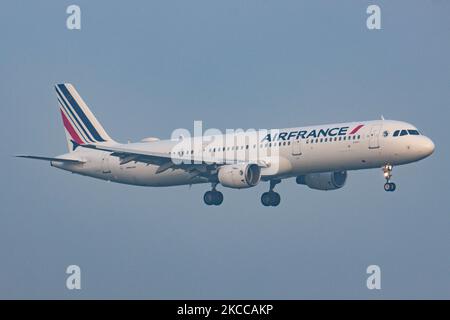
{"type": "Point", "coordinates": [296, 147]}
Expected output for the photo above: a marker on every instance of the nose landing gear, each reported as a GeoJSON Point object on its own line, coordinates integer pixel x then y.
{"type": "Point", "coordinates": [271, 198]}
{"type": "Point", "coordinates": [213, 197]}
{"type": "Point", "coordinates": [387, 172]}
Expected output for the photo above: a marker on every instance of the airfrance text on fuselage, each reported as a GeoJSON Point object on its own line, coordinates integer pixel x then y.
{"type": "Point", "coordinates": [304, 134]}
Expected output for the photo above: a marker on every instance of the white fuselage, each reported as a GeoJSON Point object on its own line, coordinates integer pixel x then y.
{"type": "Point", "coordinates": [285, 153]}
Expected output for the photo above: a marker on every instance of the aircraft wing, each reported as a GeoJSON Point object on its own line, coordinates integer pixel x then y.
{"type": "Point", "coordinates": [164, 160]}
{"type": "Point", "coordinates": [133, 154]}
{"type": "Point", "coordinates": [50, 159]}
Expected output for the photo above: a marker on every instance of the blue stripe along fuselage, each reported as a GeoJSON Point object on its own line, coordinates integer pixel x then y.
{"type": "Point", "coordinates": [73, 117]}
{"type": "Point", "coordinates": [80, 113]}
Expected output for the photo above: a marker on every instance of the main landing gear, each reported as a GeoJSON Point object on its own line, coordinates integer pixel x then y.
{"type": "Point", "coordinates": [271, 198]}
{"type": "Point", "coordinates": [213, 197]}
{"type": "Point", "coordinates": [387, 172]}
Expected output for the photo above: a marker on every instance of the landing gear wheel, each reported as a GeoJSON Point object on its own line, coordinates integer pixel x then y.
{"type": "Point", "coordinates": [266, 199]}
{"type": "Point", "coordinates": [218, 198]}
{"type": "Point", "coordinates": [393, 186]}
{"type": "Point", "coordinates": [208, 198]}
{"type": "Point", "coordinates": [213, 197]}
{"type": "Point", "coordinates": [275, 199]}
{"type": "Point", "coordinates": [270, 198]}
{"type": "Point", "coordinates": [387, 172]}
{"type": "Point", "coordinates": [389, 186]}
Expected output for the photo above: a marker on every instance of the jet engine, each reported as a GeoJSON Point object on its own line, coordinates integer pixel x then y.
{"type": "Point", "coordinates": [239, 176]}
{"type": "Point", "coordinates": [324, 180]}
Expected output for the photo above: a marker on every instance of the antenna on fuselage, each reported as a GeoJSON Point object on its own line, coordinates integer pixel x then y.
{"type": "Point", "coordinates": [382, 118]}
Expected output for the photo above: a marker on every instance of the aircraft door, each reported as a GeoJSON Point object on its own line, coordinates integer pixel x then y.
{"type": "Point", "coordinates": [374, 142]}
{"type": "Point", "coordinates": [296, 147]}
{"type": "Point", "coordinates": [106, 171]}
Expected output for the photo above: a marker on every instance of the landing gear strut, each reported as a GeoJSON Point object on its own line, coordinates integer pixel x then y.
{"type": "Point", "coordinates": [213, 197]}
{"type": "Point", "coordinates": [271, 198]}
{"type": "Point", "coordinates": [387, 172]}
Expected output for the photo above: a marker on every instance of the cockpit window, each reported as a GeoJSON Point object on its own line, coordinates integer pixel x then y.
{"type": "Point", "coordinates": [403, 133]}
{"type": "Point", "coordinates": [396, 132]}
{"type": "Point", "coordinates": [413, 132]}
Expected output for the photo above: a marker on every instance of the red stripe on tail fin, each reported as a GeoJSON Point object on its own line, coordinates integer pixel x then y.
{"type": "Point", "coordinates": [70, 129]}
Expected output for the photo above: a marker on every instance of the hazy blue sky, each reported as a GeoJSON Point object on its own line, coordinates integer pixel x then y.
{"type": "Point", "coordinates": [147, 67]}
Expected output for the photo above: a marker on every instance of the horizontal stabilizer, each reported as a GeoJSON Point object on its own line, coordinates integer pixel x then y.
{"type": "Point", "coordinates": [50, 159]}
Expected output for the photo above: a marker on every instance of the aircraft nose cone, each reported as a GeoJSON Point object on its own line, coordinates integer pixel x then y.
{"type": "Point", "coordinates": [427, 146]}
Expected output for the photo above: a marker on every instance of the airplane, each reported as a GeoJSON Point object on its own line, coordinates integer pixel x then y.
{"type": "Point", "coordinates": [316, 156]}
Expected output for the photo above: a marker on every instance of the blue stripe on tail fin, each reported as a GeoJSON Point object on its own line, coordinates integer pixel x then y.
{"type": "Point", "coordinates": [73, 103]}
{"type": "Point", "coordinates": [80, 120]}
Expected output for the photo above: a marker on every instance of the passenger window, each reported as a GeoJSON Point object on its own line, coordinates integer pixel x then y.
{"type": "Point", "coordinates": [396, 133]}
{"type": "Point", "coordinates": [403, 133]}
{"type": "Point", "coordinates": [413, 132]}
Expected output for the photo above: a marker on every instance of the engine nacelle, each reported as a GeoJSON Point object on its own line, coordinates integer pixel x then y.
{"type": "Point", "coordinates": [324, 180]}
{"type": "Point", "coordinates": [239, 176]}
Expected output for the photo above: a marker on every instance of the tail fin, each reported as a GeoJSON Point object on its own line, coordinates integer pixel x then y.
{"type": "Point", "coordinates": [80, 124]}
